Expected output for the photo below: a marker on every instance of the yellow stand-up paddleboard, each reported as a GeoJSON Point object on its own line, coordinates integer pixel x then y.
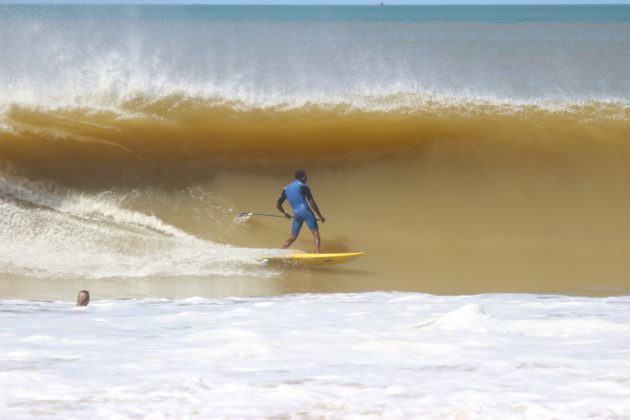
{"type": "Point", "coordinates": [313, 259]}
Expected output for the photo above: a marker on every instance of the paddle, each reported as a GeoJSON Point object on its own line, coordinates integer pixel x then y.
{"type": "Point", "coordinates": [247, 215]}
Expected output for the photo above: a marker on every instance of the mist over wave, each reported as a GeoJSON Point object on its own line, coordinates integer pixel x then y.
{"type": "Point", "coordinates": [76, 59]}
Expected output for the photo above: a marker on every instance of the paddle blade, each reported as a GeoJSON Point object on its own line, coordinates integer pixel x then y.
{"type": "Point", "coordinates": [242, 217]}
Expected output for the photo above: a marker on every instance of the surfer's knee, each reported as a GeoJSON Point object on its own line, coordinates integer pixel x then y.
{"type": "Point", "coordinates": [289, 241]}
{"type": "Point", "coordinates": [83, 298]}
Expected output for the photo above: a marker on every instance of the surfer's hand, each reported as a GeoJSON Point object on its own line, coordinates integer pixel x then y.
{"type": "Point", "coordinates": [287, 215]}
{"type": "Point", "coordinates": [322, 219]}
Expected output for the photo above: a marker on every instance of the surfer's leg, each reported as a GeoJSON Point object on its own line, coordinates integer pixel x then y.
{"type": "Point", "coordinates": [315, 233]}
{"type": "Point", "coordinates": [295, 231]}
{"type": "Point", "coordinates": [311, 222]}
{"type": "Point", "coordinates": [289, 241]}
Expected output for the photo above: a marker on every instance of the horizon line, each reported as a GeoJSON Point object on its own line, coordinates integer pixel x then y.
{"type": "Point", "coordinates": [276, 3]}
{"type": "Point", "coordinates": [326, 2]}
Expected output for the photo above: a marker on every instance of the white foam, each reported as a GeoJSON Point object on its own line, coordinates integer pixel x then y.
{"type": "Point", "coordinates": [338, 356]}
{"type": "Point", "coordinates": [94, 208]}
{"type": "Point", "coordinates": [48, 231]}
{"type": "Point", "coordinates": [469, 317]}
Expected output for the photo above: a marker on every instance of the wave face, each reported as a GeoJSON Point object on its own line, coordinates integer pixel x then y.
{"type": "Point", "coordinates": [463, 154]}
{"type": "Point", "coordinates": [178, 129]}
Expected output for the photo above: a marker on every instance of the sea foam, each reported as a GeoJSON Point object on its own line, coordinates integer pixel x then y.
{"type": "Point", "coordinates": [342, 355]}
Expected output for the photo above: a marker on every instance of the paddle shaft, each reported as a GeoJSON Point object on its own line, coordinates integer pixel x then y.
{"type": "Point", "coordinates": [247, 214]}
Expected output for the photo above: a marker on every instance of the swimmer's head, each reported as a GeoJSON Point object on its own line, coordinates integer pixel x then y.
{"type": "Point", "coordinates": [83, 298]}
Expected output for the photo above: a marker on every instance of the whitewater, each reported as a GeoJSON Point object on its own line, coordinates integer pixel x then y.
{"type": "Point", "coordinates": [368, 355]}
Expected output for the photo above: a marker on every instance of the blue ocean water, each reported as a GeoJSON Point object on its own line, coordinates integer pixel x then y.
{"type": "Point", "coordinates": [253, 13]}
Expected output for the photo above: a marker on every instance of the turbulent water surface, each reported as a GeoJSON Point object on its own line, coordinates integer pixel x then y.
{"type": "Point", "coordinates": [368, 355]}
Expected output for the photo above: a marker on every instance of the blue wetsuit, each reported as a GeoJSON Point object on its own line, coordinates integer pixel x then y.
{"type": "Point", "coordinates": [297, 193]}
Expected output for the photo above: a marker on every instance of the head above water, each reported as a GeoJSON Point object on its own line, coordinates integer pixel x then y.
{"type": "Point", "coordinates": [301, 175]}
{"type": "Point", "coordinates": [83, 298]}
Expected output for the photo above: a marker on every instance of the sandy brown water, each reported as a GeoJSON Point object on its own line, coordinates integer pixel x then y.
{"type": "Point", "coordinates": [449, 201]}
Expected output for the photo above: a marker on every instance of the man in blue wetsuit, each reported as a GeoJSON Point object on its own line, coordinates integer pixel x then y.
{"type": "Point", "coordinates": [298, 194]}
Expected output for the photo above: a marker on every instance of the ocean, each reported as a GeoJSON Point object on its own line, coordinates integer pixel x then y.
{"type": "Point", "coordinates": [479, 155]}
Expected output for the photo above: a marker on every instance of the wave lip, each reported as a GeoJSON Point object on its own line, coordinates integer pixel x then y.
{"type": "Point", "coordinates": [177, 129]}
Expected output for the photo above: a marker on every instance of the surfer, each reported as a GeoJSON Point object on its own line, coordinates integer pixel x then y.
{"type": "Point", "coordinates": [298, 194]}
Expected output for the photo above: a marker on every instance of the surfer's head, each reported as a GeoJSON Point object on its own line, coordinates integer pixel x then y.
{"type": "Point", "coordinates": [83, 298]}
{"type": "Point", "coordinates": [301, 175]}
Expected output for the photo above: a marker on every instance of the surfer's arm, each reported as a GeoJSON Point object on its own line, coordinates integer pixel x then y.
{"type": "Point", "coordinates": [311, 202]}
{"type": "Point", "coordinates": [313, 205]}
{"type": "Point", "coordinates": [283, 197]}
